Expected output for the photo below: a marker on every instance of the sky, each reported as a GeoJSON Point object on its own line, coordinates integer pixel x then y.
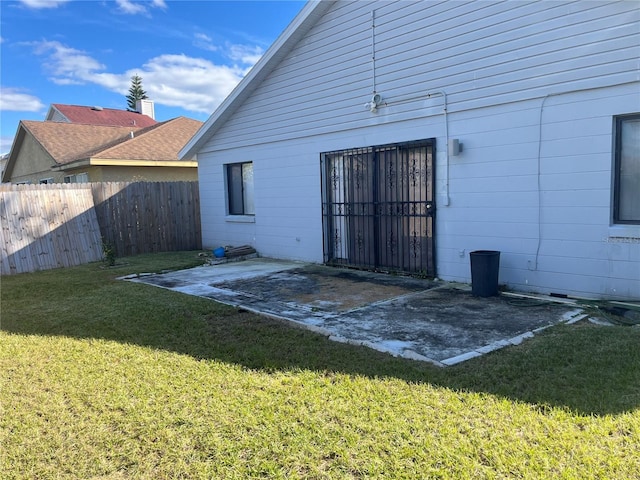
{"type": "Point", "coordinates": [189, 54]}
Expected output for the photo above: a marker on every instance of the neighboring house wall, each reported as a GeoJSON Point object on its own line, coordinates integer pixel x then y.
{"type": "Point", "coordinates": [150, 174]}
{"type": "Point", "coordinates": [33, 164]}
{"type": "Point", "coordinates": [55, 116]}
{"type": "Point", "coordinates": [138, 174]}
{"type": "Point", "coordinates": [532, 90]}
{"type": "Point", "coordinates": [3, 164]}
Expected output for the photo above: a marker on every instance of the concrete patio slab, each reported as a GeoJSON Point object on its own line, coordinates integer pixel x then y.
{"type": "Point", "coordinates": [414, 318]}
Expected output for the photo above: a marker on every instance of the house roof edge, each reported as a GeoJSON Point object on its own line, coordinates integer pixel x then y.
{"type": "Point", "coordinates": [11, 159]}
{"type": "Point", "coordinates": [53, 108]}
{"type": "Point", "coordinates": [299, 26]}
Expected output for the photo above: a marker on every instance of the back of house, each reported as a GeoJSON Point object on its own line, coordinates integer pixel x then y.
{"type": "Point", "coordinates": [402, 135]}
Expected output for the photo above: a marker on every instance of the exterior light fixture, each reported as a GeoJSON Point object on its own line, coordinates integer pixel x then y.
{"type": "Point", "coordinates": [455, 147]}
{"type": "Point", "coordinates": [375, 102]}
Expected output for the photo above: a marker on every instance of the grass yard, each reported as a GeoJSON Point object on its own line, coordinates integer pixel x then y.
{"type": "Point", "coordinates": [106, 379]}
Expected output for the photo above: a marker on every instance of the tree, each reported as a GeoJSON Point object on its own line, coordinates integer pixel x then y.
{"type": "Point", "coordinates": [136, 92]}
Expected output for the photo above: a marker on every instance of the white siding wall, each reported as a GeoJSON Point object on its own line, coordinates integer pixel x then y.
{"type": "Point", "coordinates": [57, 117]}
{"type": "Point", "coordinates": [533, 182]}
{"type": "Point", "coordinates": [496, 203]}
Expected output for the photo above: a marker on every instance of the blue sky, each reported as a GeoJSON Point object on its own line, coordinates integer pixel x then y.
{"type": "Point", "coordinates": [190, 54]}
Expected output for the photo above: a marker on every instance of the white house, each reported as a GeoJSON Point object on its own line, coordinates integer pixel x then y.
{"type": "Point", "coordinates": [403, 135]}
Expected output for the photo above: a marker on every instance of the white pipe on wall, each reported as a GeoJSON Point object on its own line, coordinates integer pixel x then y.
{"type": "Point", "coordinates": [442, 94]}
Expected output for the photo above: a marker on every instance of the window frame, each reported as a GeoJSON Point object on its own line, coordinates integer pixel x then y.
{"type": "Point", "coordinates": [617, 153]}
{"type": "Point", "coordinates": [73, 178]}
{"type": "Point", "coordinates": [237, 190]}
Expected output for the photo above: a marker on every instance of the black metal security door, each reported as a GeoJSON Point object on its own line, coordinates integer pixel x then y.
{"type": "Point", "coordinates": [378, 208]}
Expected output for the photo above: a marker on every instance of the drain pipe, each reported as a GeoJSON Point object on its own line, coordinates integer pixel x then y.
{"type": "Point", "coordinates": [373, 49]}
{"type": "Point", "coordinates": [442, 94]}
{"type": "Point", "coordinates": [539, 155]}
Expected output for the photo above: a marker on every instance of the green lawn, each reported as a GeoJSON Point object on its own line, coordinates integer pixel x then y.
{"type": "Point", "coordinates": [107, 379]}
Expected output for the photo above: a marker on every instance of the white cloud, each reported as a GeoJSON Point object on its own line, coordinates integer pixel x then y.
{"type": "Point", "coordinates": [67, 66]}
{"type": "Point", "coordinates": [14, 100]}
{"type": "Point", "coordinates": [37, 4]}
{"type": "Point", "coordinates": [245, 54]}
{"type": "Point", "coordinates": [205, 42]}
{"type": "Point", "coordinates": [5, 144]}
{"type": "Point", "coordinates": [195, 84]}
{"type": "Point", "coordinates": [133, 7]}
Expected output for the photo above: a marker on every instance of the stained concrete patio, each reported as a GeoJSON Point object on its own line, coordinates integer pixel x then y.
{"type": "Point", "coordinates": [420, 319]}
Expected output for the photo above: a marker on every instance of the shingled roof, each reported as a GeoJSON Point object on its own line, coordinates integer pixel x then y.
{"type": "Point", "coordinates": [67, 142]}
{"type": "Point", "coordinates": [71, 144]}
{"type": "Point", "coordinates": [160, 142]}
{"type": "Point", "coordinates": [98, 116]}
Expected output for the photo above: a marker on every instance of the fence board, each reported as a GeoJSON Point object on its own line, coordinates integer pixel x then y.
{"type": "Point", "coordinates": [56, 225]}
{"type": "Point", "coordinates": [142, 217]}
{"type": "Point", "coordinates": [42, 224]}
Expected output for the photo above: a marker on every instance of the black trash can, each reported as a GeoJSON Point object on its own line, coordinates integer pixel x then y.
{"type": "Point", "coordinates": [485, 265]}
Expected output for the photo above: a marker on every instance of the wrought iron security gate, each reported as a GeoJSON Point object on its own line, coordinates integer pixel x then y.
{"type": "Point", "coordinates": [378, 208]}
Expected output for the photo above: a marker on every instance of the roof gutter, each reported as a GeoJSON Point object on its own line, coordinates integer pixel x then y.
{"type": "Point", "coordinates": [109, 162]}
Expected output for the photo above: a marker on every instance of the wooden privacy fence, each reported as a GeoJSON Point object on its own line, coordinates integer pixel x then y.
{"type": "Point", "coordinates": [148, 217]}
{"type": "Point", "coordinates": [47, 226]}
{"type": "Point", "coordinates": [56, 225]}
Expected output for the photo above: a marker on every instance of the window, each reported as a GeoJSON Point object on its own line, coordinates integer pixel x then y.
{"type": "Point", "coordinates": [46, 180]}
{"type": "Point", "coordinates": [626, 202]}
{"type": "Point", "coordinates": [77, 178]}
{"type": "Point", "coordinates": [240, 188]}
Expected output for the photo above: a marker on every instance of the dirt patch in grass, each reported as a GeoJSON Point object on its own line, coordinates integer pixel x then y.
{"type": "Point", "coordinates": [336, 290]}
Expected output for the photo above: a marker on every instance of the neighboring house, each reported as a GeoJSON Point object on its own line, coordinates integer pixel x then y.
{"type": "Point", "coordinates": [403, 135]}
{"type": "Point", "coordinates": [54, 152]}
{"type": "Point", "coordinates": [102, 116]}
{"type": "Point", "coordinates": [3, 163]}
